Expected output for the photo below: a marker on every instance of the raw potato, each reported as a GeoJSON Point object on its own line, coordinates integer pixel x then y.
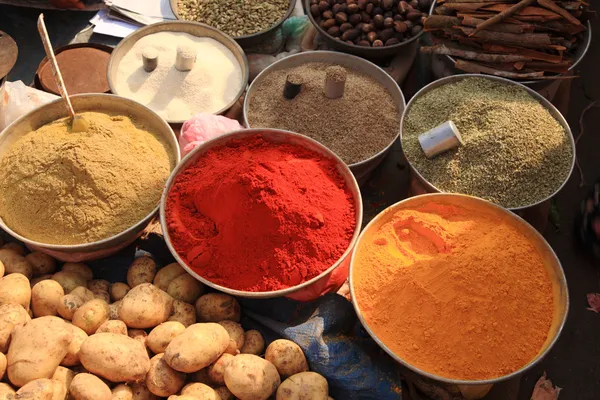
{"type": "Point", "coordinates": [113, 326]}
{"type": "Point", "coordinates": [200, 377]}
{"type": "Point", "coordinates": [114, 310]}
{"type": "Point", "coordinates": [15, 263]}
{"type": "Point", "coordinates": [16, 247]}
{"type": "Point", "coordinates": [186, 288]}
{"type": "Point", "coordinates": [67, 306]}
{"type": "Point", "coordinates": [104, 296]}
{"type": "Point", "coordinates": [141, 271]}
{"type": "Point", "coordinates": [199, 391]}
{"type": "Point", "coordinates": [287, 357]}
{"type": "Point", "coordinates": [141, 392]}
{"type": "Point", "coordinates": [253, 343]}
{"type": "Point", "coordinates": [69, 280]}
{"type": "Point", "coordinates": [145, 306]}
{"type": "Point", "coordinates": [89, 387]}
{"type": "Point", "coordinates": [38, 279]}
{"type": "Point", "coordinates": [163, 380]}
{"type": "Point", "coordinates": [37, 348]}
{"type": "Point", "coordinates": [216, 371]}
{"type": "Point", "coordinates": [2, 269]}
{"type": "Point", "coordinates": [6, 392]}
{"type": "Point", "coordinates": [45, 297]}
{"type": "Point", "coordinates": [165, 275]}
{"type": "Point", "coordinates": [72, 357]}
{"type": "Point", "coordinates": [197, 347]}
{"type": "Point", "coordinates": [122, 392]}
{"type": "Point", "coordinates": [182, 397]}
{"type": "Point", "coordinates": [215, 307]}
{"type": "Point", "coordinates": [118, 290]}
{"type": "Point", "coordinates": [11, 315]}
{"type": "Point", "coordinates": [84, 293]}
{"type": "Point", "coordinates": [2, 365]}
{"type": "Point", "coordinates": [63, 375]}
{"type": "Point", "coordinates": [80, 269]}
{"type": "Point", "coordinates": [117, 358]}
{"type": "Point", "coordinates": [305, 385]}
{"type": "Point", "coordinates": [250, 377]}
{"type": "Point", "coordinates": [236, 336]}
{"type": "Point", "coordinates": [15, 289]}
{"type": "Point", "coordinates": [160, 337]}
{"type": "Point", "coordinates": [98, 285]}
{"type": "Point", "coordinates": [224, 393]}
{"type": "Point", "coordinates": [41, 264]}
{"type": "Point", "coordinates": [183, 312]}
{"type": "Point", "coordinates": [42, 389]}
{"type": "Point", "coordinates": [91, 315]}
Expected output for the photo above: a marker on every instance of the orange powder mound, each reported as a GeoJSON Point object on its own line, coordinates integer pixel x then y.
{"type": "Point", "coordinates": [455, 290]}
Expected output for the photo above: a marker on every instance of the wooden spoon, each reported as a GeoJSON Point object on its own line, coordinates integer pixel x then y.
{"type": "Point", "coordinates": [79, 124]}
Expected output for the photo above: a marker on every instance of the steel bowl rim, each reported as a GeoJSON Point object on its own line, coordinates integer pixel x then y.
{"type": "Point", "coordinates": [554, 112]}
{"type": "Point", "coordinates": [334, 55]}
{"type": "Point", "coordinates": [562, 282]}
{"type": "Point", "coordinates": [141, 32]}
{"type": "Point", "coordinates": [85, 246]}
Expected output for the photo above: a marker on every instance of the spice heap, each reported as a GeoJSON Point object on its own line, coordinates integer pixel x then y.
{"type": "Point", "coordinates": [371, 23]}
{"type": "Point", "coordinates": [515, 152]}
{"type": "Point", "coordinates": [64, 187]}
{"type": "Point", "coordinates": [234, 17]}
{"type": "Point", "coordinates": [259, 216]}
{"type": "Point", "coordinates": [214, 81]}
{"type": "Point", "coordinates": [356, 126]}
{"type": "Point", "coordinates": [454, 287]}
{"type": "Point", "coordinates": [529, 39]}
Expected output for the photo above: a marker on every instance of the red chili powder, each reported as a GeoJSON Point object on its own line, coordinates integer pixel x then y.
{"type": "Point", "coordinates": [260, 216]}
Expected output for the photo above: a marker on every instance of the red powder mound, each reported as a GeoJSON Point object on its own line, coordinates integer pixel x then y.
{"type": "Point", "coordinates": [260, 216]}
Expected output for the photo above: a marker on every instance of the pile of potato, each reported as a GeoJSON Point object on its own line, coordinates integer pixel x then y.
{"type": "Point", "coordinates": [67, 335]}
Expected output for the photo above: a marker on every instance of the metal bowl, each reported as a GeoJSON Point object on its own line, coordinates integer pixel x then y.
{"type": "Point", "coordinates": [248, 41]}
{"type": "Point", "coordinates": [192, 28]}
{"type": "Point", "coordinates": [553, 266]}
{"type": "Point", "coordinates": [88, 102]}
{"type": "Point", "coordinates": [543, 101]}
{"type": "Point", "coordinates": [363, 169]}
{"type": "Point", "coordinates": [307, 290]}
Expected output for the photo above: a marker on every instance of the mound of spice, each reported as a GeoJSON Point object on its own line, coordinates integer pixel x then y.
{"type": "Point", "coordinates": [63, 187]}
{"type": "Point", "coordinates": [356, 126]}
{"type": "Point", "coordinates": [260, 216]}
{"type": "Point", "coordinates": [515, 152]}
{"type": "Point", "coordinates": [454, 287]}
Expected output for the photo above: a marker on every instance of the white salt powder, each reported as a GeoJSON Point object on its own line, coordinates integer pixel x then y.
{"type": "Point", "coordinates": [214, 81]}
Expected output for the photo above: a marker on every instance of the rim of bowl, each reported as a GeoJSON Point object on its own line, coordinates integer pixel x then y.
{"type": "Point", "coordinates": [554, 112]}
{"type": "Point", "coordinates": [141, 32]}
{"type": "Point", "coordinates": [147, 218]}
{"type": "Point", "coordinates": [242, 134]}
{"type": "Point", "coordinates": [562, 281]}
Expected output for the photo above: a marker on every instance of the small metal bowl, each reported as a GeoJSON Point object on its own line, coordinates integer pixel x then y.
{"type": "Point", "coordinates": [192, 28]}
{"type": "Point", "coordinates": [362, 170]}
{"type": "Point", "coordinates": [88, 102]}
{"type": "Point", "coordinates": [305, 291]}
{"type": "Point", "coordinates": [543, 101]}
{"type": "Point", "coordinates": [553, 266]}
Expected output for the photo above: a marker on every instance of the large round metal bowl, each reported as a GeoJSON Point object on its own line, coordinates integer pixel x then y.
{"type": "Point", "coordinates": [99, 103]}
{"type": "Point", "coordinates": [305, 291]}
{"type": "Point", "coordinates": [363, 169]}
{"type": "Point", "coordinates": [192, 28]}
{"type": "Point", "coordinates": [456, 78]}
{"type": "Point", "coordinates": [553, 266]}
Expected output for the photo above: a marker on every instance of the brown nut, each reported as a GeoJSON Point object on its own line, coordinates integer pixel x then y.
{"type": "Point", "coordinates": [351, 34]}
{"type": "Point", "coordinates": [388, 23]}
{"type": "Point", "coordinates": [386, 34]}
{"type": "Point", "coordinates": [414, 4]}
{"type": "Point", "coordinates": [327, 15]}
{"type": "Point", "coordinates": [341, 18]}
{"type": "Point", "coordinates": [353, 8]}
{"type": "Point", "coordinates": [334, 31]}
{"type": "Point", "coordinates": [364, 43]}
{"type": "Point", "coordinates": [413, 15]}
{"type": "Point", "coordinates": [378, 21]}
{"type": "Point", "coordinates": [398, 17]}
{"type": "Point", "coordinates": [424, 4]}
{"type": "Point", "coordinates": [400, 26]}
{"type": "Point", "coordinates": [329, 23]}
{"type": "Point", "coordinates": [362, 4]}
{"type": "Point", "coordinates": [378, 43]}
{"type": "Point", "coordinates": [336, 9]}
{"type": "Point", "coordinates": [345, 27]}
{"type": "Point", "coordinates": [314, 10]}
{"type": "Point", "coordinates": [403, 7]}
{"type": "Point", "coordinates": [377, 11]}
{"type": "Point", "coordinates": [366, 28]}
{"type": "Point", "coordinates": [391, 42]}
{"type": "Point", "coordinates": [323, 6]}
{"type": "Point", "coordinates": [364, 17]}
{"type": "Point", "coordinates": [387, 4]}
{"type": "Point", "coordinates": [355, 19]}
{"type": "Point", "coordinates": [415, 30]}
{"type": "Point", "coordinates": [369, 9]}
{"type": "Point", "coordinates": [372, 36]}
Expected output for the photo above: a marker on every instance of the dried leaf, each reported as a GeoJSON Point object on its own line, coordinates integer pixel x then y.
{"type": "Point", "coordinates": [594, 302]}
{"type": "Point", "coordinates": [544, 390]}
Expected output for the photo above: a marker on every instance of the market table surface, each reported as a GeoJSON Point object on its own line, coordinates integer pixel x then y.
{"type": "Point", "coordinates": [574, 363]}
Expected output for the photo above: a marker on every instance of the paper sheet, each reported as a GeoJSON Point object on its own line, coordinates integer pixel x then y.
{"type": "Point", "coordinates": [111, 27]}
{"type": "Point", "coordinates": [155, 9]}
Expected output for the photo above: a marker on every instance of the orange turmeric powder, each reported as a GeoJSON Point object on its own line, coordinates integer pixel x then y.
{"type": "Point", "coordinates": [454, 288]}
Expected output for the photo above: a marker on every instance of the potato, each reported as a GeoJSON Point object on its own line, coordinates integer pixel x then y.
{"type": "Point", "coordinates": [15, 263]}
{"type": "Point", "coordinates": [183, 312]}
{"type": "Point", "coordinates": [38, 279]}
{"type": "Point", "coordinates": [199, 391]}
{"type": "Point", "coordinates": [141, 271]}
{"type": "Point", "coordinates": [69, 280]}
{"type": "Point", "coordinates": [41, 264]}
{"type": "Point", "coordinates": [84, 293]}
{"type": "Point", "coordinates": [98, 285]}
{"type": "Point", "coordinates": [45, 297]}
{"type": "Point", "coordinates": [37, 348]}
{"type": "Point", "coordinates": [163, 380]}
{"type": "Point", "coordinates": [67, 306]}
{"type": "Point", "coordinates": [15, 289]}
{"type": "Point", "coordinates": [16, 247]}
{"type": "Point", "coordinates": [118, 290]}
{"type": "Point", "coordinates": [2, 269]}
{"type": "Point", "coordinates": [160, 337]}
{"type": "Point", "coordinates": [216, 371]}
{"type": "Point", "coordinates": [304, 385]}
{"type": "Point", "coordinates": [182, 397]}
{"type": "Point", "coordinates": [287, 357]}
{"type": "Point", "coordinates": [2, 365]}
{"type": "Point", "coordinates": [165, 275]}
{"type": "Point", "coordinates": [253, 343]}
{"type": "Point", "coordinates": [122, 392]}
{"type": "Point", "coordinates": [200, 377]}
{"type": "Point", "coordinates": [215, 307]}
{"type": "Point", "coordinates": [236, 336]}
{"type": "Point", "coordinates": [197, 347]}
{"type": "Point", "coordinates": [250, 377]}
{"type": "Point", "coordinates": [63, 375]}
{"type": "Point", "coordinates": [11, 316]}
{"type": "Point", "coordinates": [6, 392]}
{"type": "Point", "coordinates": [72, 356]}
{"type": "Point", "coordinates": [91, 315]}
{"type": "Point", "coordinates": [186, 288]}
{"type": "Point", "coordinates": [224, 393]}
{"type": "Point", "coordinates": [114, 310]}
{"type": "Point", "coordinates": [145, 306]}
{"type": "Point", "coordinates": [42, 389]}
{"type": "Point", "coordinates": [117, 358]}
{"type": "Point", "coordinates": [141, 392]}
{"type": "Point", "coordinates": [113, 326]}
{"type": "Point", "coordinates": [80, 269]}
{"type": "Point", "coordinates": [104, 296]}
{"type": "Point", "coordinates": [89, 387]}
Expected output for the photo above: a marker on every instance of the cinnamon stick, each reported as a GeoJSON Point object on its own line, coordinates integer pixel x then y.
{"type": "Point", "coordinates": [436, 22]}
{"type": "Point", "coordinates": [531, 39]}
{"type": "Point", "coordinates": [525, 11]}
{"type": "Point", "coordinates": [535, 55]}
{"type": "Point", "coordinates": [503, 15]}
{"type": "Point", "coordinates": [474, 68]}
{"type": "Point", "coordinates": [552, 6]}
{"type": "Point", "coordinates": [501, 27]}
{"type": "Point", "coordinates": [467, 6]}
{"type": "Point", "coordinates": [474, 55]}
